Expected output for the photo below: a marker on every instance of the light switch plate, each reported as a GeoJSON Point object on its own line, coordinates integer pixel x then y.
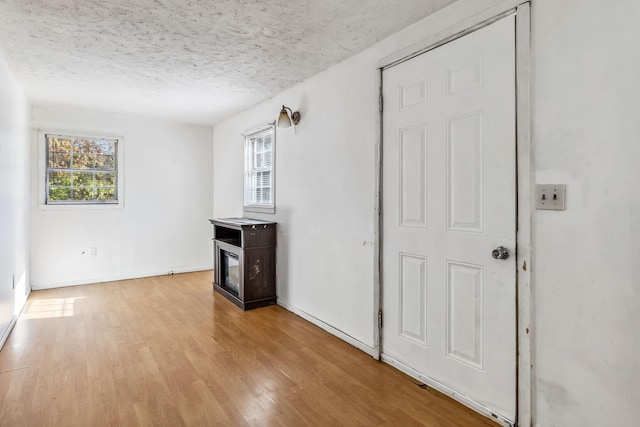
{"type": "Point", "coordinates": [551, 196]}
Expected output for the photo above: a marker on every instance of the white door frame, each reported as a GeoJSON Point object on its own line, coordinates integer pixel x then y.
{"type": "Point", "coordinates": [524, 178]}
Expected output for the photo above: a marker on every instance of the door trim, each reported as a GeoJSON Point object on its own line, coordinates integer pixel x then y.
{"type": "Point", "coordinates": [524, 199]}
{"type": "Point", "coordinates": [449, 39]}
{"type": "Point", "coordinates": [524, 208]}
{"type": "Point", "coordinates": [470, 14]}
{"type": "Point", "coordinates": [377, 226]}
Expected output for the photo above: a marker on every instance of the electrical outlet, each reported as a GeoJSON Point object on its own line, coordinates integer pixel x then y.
{"type": "Point", "coordinates": [93, 251]}
{"type": "Point", "coordinates": [550, 197]}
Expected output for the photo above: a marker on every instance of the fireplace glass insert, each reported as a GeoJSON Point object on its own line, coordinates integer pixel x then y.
{"type": "Point", "coordinates": [230, 269]}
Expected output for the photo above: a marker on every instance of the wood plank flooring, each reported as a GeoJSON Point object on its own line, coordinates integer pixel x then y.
{"type": "Point", "coordinates": [167, 351]}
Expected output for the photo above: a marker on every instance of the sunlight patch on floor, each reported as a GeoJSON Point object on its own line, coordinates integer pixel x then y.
{"type": "Point", "coordinates": [51, 308]}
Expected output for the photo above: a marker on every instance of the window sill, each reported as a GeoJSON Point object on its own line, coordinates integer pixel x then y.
{"type": "Point", "coordinates": [80, 207]}
{"type": "Point", "coordinates": [258, 209]}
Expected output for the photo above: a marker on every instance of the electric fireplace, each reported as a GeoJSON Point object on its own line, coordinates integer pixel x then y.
{"type": "Point", "coordinates": [245, 261]}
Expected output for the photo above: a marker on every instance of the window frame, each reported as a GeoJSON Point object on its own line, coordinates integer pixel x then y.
{"type": "Point", "coordinates": [43, 203]}
{"type": "Point", "coordinates": [268, 208]}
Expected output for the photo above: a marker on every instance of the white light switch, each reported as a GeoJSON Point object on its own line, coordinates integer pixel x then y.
{"type": "Point", "coordinates": [551, 196]}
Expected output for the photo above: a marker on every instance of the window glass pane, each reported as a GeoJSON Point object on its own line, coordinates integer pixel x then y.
{"type": "Point", "coordinates": [82, 179]}
{"type": "Point", "coordinates": [83, 161]}
{"type": "Point", "coordinates": [105, 162]}
{"type": "Point", "coordinates": [59, 193]}
{"type": "Point", "coordinates": [82, 193]}
{"type": "Point", "coordinates": [105, 179]}
{"type": "Point", "coordinates": [59, 144]}
{"type": "Point", "coordinates": [106, 193]}
{"type": "Point", "coordinates": [84, 146]}
{"type": "Point", "coordinates": [59, 160]}
{"type": "Point", "coordinates": [105, 147]}
{"type": "Point", "coordinates": [264, 179]}
{"type": "Point", "coordinates": [59, 178]}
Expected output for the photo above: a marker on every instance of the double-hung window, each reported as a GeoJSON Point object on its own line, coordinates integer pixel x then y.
{"type": "Point", "coordinates": [259, 171]}
{"type": "Point", "coordinates": [81, 170]}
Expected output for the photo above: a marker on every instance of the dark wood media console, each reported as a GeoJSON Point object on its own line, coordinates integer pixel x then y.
{"type": "Point", "coordinates": [244, 261]}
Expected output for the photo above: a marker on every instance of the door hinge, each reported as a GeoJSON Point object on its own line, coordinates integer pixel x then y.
{"type": "Point", "coordinates": [380, 104]}
{"type": "Point", "coordinates": [380, 319]}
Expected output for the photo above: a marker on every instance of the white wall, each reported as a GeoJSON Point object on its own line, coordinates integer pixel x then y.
{"type": "Point", "coordinates": [586, 133]}
{"type": "Point", "coordinates": [14, 198]}
{"type": "Point", "coordinates": [324, 193]}
{"type": "Point", "coordinates": [587, 259]}
{"type": "Point", "coordinates": [163, 225]}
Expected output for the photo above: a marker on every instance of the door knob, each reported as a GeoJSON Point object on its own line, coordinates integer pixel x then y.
{"type": "Point", "coordinates": [500, 253]}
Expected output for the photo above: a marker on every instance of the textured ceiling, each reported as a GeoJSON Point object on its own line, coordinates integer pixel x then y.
{"type": "Point", "coordinates": [197, 61]}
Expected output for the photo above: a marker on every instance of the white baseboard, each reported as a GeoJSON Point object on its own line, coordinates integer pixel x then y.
{"type": "Point", "coordinates": [478, 407]}
{"type": "Point", "coordinates": [333, 331]}
{"type": "Point", "coordinates": [43, 286]}
{"type": "Point", "coordinates": [14, 319]}
{"type": "Point", "coordinates": [7, 331]}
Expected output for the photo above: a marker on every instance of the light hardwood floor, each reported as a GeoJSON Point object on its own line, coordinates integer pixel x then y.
{"type": "Point", "coordinates": [168, 351]}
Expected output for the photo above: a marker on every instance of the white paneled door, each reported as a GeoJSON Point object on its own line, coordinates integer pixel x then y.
{"type": "Point", "coordinates": [449, 201]}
